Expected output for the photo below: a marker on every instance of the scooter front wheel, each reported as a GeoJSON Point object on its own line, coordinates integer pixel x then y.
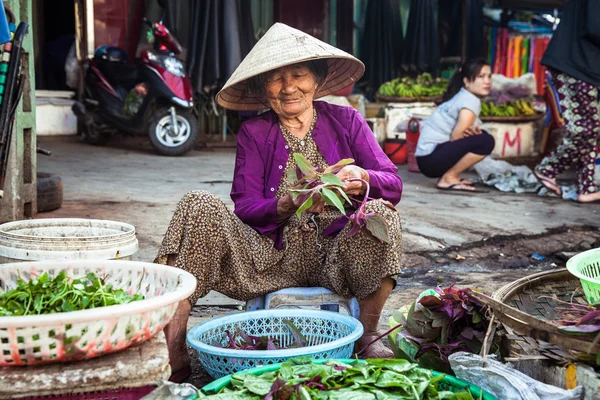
{"type": "Point", "coordinates": [173, 132]}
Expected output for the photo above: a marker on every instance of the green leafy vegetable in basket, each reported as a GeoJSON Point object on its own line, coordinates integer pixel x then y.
{"type": "Point", "coordinates": [240, 340]}
{"type": "Point", "coordinates": [47, 295]}
{"type": "Point", "coordinates": [300, 379]}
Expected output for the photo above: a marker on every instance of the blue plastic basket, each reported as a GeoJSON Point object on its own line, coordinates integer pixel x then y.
{"type": "Point", "coordinates": [329, 335]}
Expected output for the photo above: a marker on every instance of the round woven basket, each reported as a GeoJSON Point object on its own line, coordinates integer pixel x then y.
{"type": "Point", "coordinates": [398, 99]}
{"type": "Point", "coordinates": [516, 119]}
{"type": "Point", "coordinates": [529, 307]}
{"type": "Point", "coordinates": [84, 334]}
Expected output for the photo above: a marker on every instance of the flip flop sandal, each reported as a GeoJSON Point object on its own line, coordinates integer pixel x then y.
{"type": "Point", "coordinates": [456, 188]}
{"type": "Point", "coordinates": [548, 184]}
{"type": "Point", "coordinates": [181, 374]}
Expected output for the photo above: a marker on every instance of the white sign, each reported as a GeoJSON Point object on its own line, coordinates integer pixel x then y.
{"type": "Point", "coordinates": [512, 139]}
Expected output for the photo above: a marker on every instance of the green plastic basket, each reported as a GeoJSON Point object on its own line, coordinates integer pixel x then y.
{"type": "Point", "coordinates": [447, 383]}
{"type": "Point", "coordinates": [586, 266]}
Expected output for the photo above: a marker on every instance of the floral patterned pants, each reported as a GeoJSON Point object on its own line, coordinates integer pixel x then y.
{"type": "Point", "coordinates": [230, 257]}
{"type": "Point", "coordinates": [578, 149]}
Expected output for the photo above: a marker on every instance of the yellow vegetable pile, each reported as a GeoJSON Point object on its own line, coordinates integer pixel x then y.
{"type": "Point", "coordinates": [423, 86]}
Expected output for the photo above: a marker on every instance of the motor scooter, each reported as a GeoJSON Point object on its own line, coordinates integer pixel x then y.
{"type": "Point", "coordinates": [154, 97]}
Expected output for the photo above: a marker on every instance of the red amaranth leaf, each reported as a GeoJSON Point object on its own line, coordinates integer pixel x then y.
{"type": "Point", "coordinates": [378, 227]}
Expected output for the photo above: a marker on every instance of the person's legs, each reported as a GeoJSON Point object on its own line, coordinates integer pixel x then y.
{"type": "Point", "coordinates": [452, 176]}
{"type": "Point", "coordinates": [360, 266]}
{"type": "Point", "coordinates": [450, 159]}
{"type": "Point", "coordinates": [588, 142]}
{"type": "Point", "coordinates": [370, 313]}
{"type": "Point", "coordinates": [579, 101]}
{"type": "Point", "coordinates": [204, 238]}
{"type": "Point", "coordinates": [175, 333]}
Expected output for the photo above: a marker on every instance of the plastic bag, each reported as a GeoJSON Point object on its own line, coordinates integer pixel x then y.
{"type": "Point", "coordinates": [505, 382]}
{"type": "Point", "coordinates": [72, 69]}
{"type": "Point", "coordinates": [507, 177]}
{"type": "Point", "coordinates": [172, 391]}
{"type": "Point", "coordinates": [134, 99]}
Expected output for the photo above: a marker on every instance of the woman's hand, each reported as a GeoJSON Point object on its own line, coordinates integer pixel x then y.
{"type": "Point", "coordinates": [287, 206]}
{"type": "Point", "coordinates": [466, 119]}
{"type": "Point", "coordinates": [472, 131]}
{"type": "Point", "coordinates": [353, 171]}
{"type": "Point", "coordinates": [318, 205]}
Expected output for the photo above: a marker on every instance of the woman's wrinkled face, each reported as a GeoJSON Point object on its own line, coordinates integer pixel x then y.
{"type": "Point", "coordinates": [290, 90]}
{"type": "Point", "coordinates": [482, 84]}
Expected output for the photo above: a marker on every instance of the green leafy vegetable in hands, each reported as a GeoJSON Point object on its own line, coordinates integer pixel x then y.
{"type": "Point", "coordinates": [47, 295]}
{"type": "Point", "coordinates": [300, 379]}
{"type": "Point", "coordinates": [309, 180]}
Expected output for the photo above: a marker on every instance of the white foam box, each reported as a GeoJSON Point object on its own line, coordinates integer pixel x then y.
{"type": "Point", "coordinates": [396, 113]}
{"type": "Point", "coordinates": [377, 125]}
{"type": "Point", "coordinates": [53, 115]}
{"type": "Point", "coordinates": [512, 139]}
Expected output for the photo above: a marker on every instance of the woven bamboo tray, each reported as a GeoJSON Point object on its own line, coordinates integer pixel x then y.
{"type": "Point", "coordinates": [526, 308]}
{"type": "Point", "coordinates": [398, 99]}
{"type": "Point", "coordinates": [516, 119]}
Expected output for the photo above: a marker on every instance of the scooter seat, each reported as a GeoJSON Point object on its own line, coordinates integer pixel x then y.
{"type": "Point", "coordinates": [121, 75]}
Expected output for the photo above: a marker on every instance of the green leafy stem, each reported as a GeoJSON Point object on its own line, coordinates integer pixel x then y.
{"type": "Point", "coordinates": [309, 181]}
{"type": "Point", "coordinates": [46, 295]}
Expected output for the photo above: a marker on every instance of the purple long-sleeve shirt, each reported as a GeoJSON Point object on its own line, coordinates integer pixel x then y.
{"type": "Point", "coordinates": [262, 153]}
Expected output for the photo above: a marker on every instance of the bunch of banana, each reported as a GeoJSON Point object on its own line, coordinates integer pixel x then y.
{"type": "Point", "coordinates": [425, 79]}
{"type": "Point", "coordinates": [387, 89]}
{"type": "Point", "coordinates": [508, 109]}
{"type": "Point", "coordinates": [498, 110]}
{"type": "Point", "coordinates": [423, 86]}
{"type": "Point", "coordinates": [404, 90]}
{"type": "Point", "coordinates": [524, 107]}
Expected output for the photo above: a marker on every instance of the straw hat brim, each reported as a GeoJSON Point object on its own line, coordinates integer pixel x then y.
{"type": "Point", "coordinates": [283, 46]}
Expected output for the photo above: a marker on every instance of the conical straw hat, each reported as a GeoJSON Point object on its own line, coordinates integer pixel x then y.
{"type": "Point", "coordinates": [280, 46]}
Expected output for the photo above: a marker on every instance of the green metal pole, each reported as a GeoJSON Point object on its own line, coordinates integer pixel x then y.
{"type": "Point", "coordinates": [19, 197]}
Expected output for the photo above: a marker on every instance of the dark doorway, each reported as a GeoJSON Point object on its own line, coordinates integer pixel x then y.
{"type": "Point", "coordinates": [54, 36]}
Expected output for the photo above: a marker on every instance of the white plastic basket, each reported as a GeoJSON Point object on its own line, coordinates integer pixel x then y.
{"type": "Point", "coordinates": [36, 339]}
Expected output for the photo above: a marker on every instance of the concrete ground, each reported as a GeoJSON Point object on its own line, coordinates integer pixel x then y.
{"type": "Point", "coordinates": [480, 240]}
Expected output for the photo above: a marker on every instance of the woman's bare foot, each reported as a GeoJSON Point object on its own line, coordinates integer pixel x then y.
{"type": "Point", "coordinates": [375, 350]}
{"type": "Point", "coordinates": [549, 183]}
{"type": "Point", "coordinates": [588, 197]}
{"type": "Point", "coordinates": [175, 333]}
{"type": "Point", "coordinates": [454, 183]}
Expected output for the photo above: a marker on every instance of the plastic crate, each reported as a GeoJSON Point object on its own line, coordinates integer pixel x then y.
{"type": "Point", "coordinates": [109, 394]}
{"type": "Point", "coordinates": [586, 266]}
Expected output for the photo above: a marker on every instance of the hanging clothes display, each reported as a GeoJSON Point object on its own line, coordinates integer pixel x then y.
{"type": "Point", "coordinates": [516, 54]}
{"type": "Point", "coordinates": [422, 53]}
{"type": "Point", "coordinates": [381, 41]}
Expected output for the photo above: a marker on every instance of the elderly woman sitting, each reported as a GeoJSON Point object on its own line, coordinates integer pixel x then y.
{"type": "Point", "coordinates": [263, 246]}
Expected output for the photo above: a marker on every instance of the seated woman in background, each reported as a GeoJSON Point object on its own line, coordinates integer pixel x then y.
{"type": "Point", "coordinates": [451, 140]}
